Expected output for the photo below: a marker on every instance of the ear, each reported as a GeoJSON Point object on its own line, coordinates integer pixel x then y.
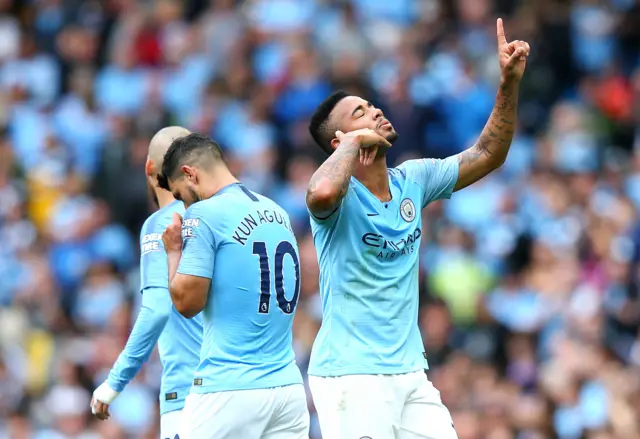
{"type": "Point", "coordinates": [334, 143]}
{"type": "Point", "coordinates": [189, 172]}
{"type": "Point", "coordinates": [149, 168]}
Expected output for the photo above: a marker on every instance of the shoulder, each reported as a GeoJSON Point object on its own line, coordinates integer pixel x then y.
{"type": "Point", "coordinates": [421, 170]}
{"type": "Point", "coordinates": [267, 203]}
{"type": "Point", "coordinates": [159, 220]}
{"type": "Point", "coordinates": [207, 216]}
{"type": "Point", "coordinates": [151, 235]}
{"type": "Point", "coordinates": [208, 210]}
{"type": "Point", "coordinates": [398, 173]}
{"type": "Point", "coordinates": [406, 175]}
{"type": "Point", "coordinates": [152, 224]}
{"type": "Point", "coordinates": [410, 167]}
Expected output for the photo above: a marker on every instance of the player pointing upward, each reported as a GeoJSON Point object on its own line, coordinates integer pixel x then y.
{"type": "Point", "coordinates": [178, 338]}
{"type": "Point", "coordinates": [237, 260]}
{"type": "Point", "coordinates": [367, 361]}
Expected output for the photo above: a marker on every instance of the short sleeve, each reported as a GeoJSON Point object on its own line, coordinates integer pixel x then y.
{"type": "Point", "coordinates": [332, 218]}
{"type": "Point", "coordinates": [436, 177]}
{"type": "Point", "coordinates": [198, 245]}
{"type": "Point", "coordinates": [153, 259]}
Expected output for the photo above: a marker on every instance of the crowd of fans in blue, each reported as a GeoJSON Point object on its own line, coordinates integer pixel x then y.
{"type": "Point", "coordinates": [531, 306]}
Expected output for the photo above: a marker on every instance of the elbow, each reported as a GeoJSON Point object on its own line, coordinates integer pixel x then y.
{"type": "Point", "coordinates": [322, 197]}
{"type": "Point", "coordinates": [501, 160]}
{"type": "Point", "coordinates": [495, 163]}
{"type": "Point", "coordinates": [183, 303]}
{"type": "Point", "coordinates": [186, 309]}
{"type": "Point", "coordinates": [188, 312]}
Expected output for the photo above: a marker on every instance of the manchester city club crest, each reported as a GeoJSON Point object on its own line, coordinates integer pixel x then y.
{"type": "Point", "coordinates": [407, 210]}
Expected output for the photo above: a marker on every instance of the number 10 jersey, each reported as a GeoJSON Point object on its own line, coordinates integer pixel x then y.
{"type": "Point", "coordinates": [243, 242]}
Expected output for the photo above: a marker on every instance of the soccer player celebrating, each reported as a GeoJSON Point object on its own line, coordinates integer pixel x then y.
{"type": "Point", "coordinates": [178, 339]}
{"type": "Point", "coordinates": [366, 364]}
{"type": "Point", "coordinates": [234, 256]}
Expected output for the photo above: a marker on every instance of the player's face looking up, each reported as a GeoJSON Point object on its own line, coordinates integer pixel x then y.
{"type": "Point", "coordinates": [354, 113]}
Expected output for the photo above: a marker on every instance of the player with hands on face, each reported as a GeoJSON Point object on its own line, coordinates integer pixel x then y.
{"type": "Point", "coordinates": [367, 368]}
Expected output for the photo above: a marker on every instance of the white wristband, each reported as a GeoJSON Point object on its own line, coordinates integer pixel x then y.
{"type": "Point", "coordinates": [104, 393]}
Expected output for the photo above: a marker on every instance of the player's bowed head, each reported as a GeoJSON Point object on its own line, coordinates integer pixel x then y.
{"type": "Point", "coordinates": [158, 147]}
{"type": "Point", "coordinates": [194, 169]}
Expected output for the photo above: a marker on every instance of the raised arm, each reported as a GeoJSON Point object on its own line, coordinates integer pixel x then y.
{"type": "Point", "coordinates": [190, 263]}
{"type": "Point", "coordinates": [490, 151]}
{"type": "Point", "coordinates": [330, 182]}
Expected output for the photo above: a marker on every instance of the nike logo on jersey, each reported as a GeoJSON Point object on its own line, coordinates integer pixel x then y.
{"type": "Point", "coordinates": [373, 214]}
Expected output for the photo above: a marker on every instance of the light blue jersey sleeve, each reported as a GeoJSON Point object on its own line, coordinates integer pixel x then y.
{"type": "Point", "coordinates": [155, 310]}
{"type": "Point", "coordinates": [198, 244]}
{"type": "Point", "coordinates": [436, 177]}
{"type": "Point", "coordinates": [153, 316]}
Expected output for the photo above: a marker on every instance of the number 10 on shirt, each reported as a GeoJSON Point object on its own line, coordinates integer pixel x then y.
{"type": "Point", "coordinates": [284, 248]}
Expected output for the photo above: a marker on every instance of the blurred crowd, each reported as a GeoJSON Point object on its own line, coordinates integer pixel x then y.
{"type": "Point", "coordinates": [530, 280]}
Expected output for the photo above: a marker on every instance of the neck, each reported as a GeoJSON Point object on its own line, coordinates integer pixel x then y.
{"type": "Point", "coordinates": [164, 197]}
{"type": "Point", "coordinates": [213, 185]}
{"type": "Point", "coordinates": [375, 178]}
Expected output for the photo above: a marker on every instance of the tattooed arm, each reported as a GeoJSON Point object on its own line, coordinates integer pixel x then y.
{"type": "Point", "coordinates": [329, 184]}
{"type": "Point", "coordinates": [490, 151]}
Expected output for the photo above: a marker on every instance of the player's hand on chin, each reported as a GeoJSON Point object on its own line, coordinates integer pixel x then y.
{"type": "Point", "coordinates": [512, 56]}
{"type": "Point", "coordinates": [368, 140]}
{"type": "Point", "coordinates": [172, 235]}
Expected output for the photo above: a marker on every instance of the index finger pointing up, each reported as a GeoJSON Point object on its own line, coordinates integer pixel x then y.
{"type": "Point", "coordinates": [501, 38]}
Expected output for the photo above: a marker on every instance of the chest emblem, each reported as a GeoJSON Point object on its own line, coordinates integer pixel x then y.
{"type": "Point", "coordinates": [407, 210]}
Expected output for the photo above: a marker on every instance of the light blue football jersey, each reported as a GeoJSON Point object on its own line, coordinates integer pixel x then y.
{"type": "Point", "coordinates": [180, 341]}
{"type": "Point", "coordinates": [368, 256]}
{"type": "Point", "coordinates": [243, 242]}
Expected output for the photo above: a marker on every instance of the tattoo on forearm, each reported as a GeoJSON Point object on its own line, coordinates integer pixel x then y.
{"type": "Point", "coordinates": [336, 170]}
{"type": "Point", "coordinates": [495, 139]}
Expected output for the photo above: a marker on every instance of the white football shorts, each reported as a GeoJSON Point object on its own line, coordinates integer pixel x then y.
{"type": "Point", "coordinates": [405, 406]}
{"type": "Point", "coordinates": [275, 413]}
{"type": "Point", "coordinates": [171, 425]}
